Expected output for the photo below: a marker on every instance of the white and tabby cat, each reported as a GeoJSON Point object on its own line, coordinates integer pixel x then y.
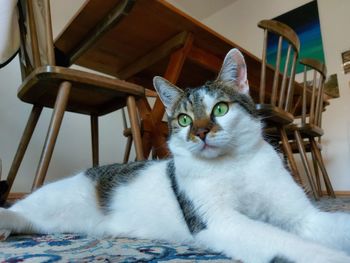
{"type": "Point", "coordinates": [224, 187]}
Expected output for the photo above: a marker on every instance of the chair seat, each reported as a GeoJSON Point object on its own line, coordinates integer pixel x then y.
{"type": "Point", "coordinates": [90, 94]}
{"type": "Point", "coordinates": [273, 131]}
{"type": "Point", "coordinates": [310, 130]}
{"type": "Point", "coordinates": [273, 114]}
{"type": "Point", "coordinates": [307, 130]}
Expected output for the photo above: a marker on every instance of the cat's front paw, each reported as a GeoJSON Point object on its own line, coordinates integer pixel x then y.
{"type": "Point", "coordinates": [4, 233]}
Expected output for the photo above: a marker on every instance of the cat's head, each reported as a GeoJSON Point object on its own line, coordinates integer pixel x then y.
{"type": "Point", "coordinates": [212, 120]}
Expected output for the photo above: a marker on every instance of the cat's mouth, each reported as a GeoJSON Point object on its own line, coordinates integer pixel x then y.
{"type": "Point", "coordinates": [208, 146]}
{"type": "Point", "coordinates": [209, 151]}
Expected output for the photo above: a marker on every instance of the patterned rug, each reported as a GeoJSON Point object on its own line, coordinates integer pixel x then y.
{"type": "Point", "coordinates": [79, 248]}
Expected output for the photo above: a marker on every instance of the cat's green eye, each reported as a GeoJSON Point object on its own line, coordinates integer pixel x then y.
{"type": "Point", "coordinates": [220, 109]}
{"type": "Point", "coordinates": [184, 120]}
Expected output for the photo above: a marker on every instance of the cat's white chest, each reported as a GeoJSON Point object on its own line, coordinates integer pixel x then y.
{"type": "Point", "coordinates": [212, 186]}
{"type": "Point", "coordinates": [231, 186]}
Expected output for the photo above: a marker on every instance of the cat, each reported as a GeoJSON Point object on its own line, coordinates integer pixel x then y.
{"type": "Point", "coordinates": [224, 187]}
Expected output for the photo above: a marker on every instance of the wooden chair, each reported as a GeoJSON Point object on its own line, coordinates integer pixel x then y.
{"type": "Point", "coordinates": [303, 132]}
{"type": "Point", "coordinates": [277, 112]}
{"type": "Point", "coordinates": [63, 89]}
{"type": "Point", "coordinates": [311, 118]}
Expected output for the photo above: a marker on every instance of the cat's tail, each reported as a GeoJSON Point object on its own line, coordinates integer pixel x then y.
{"type": "Point", "coordinates": [13, 222]}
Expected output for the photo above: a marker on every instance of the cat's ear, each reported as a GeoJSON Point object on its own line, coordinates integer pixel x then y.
{"type": "Point", "coordinates": [234, 71]}
{"type": "Point", "coordinates": [168, 92]}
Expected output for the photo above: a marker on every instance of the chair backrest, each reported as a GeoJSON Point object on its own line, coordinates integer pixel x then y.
{"type": "Point", "coordinates": [282, 89]}
{"type": "Point", "coordinates": [315, 108]}
{"type": "Point", "coordinates": [37, 48]}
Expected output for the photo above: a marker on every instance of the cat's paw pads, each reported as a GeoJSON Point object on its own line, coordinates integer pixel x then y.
{"type": "Point", "coordinates": [4, 233]}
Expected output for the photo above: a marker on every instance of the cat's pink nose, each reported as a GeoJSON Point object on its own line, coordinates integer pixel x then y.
{"type": "Point", "coordinates": [202, 133]}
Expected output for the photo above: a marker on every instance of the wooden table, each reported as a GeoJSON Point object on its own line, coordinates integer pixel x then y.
{"type": "Point", "coordinates": [138, 39]}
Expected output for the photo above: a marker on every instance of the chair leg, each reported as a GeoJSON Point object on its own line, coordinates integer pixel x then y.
{"type": "Point", "coordinates": [289, 153]}
{"type": "Point", "coordinates": [55, 123]}
{"type": "Point", "coordinates": [127, 149]}
{"type": "Point", "coordinates": [319, 159]}
{"type": "Point", "coordinates": [135, 127]}
{"type": "Point", "coordinates": [94, 140]}
{"type": "Point", "coordinates": [305, 162]}
{"type": "Point", "coordinates": [145, 112]}
{"type": "Point", "coordinates": [317, 174]}
{"type": "Point", "coordinates": [22, 147]}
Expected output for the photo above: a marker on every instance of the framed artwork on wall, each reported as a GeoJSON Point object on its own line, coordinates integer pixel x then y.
{"type": "Point", "coordinates": [305, 21]}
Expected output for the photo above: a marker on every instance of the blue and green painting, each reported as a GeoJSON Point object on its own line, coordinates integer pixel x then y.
{"type": "Point", "coordinates": [305, 21]}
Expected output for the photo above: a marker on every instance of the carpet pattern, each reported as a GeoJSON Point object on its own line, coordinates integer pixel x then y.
{"type": "Point", "coordinates": [80, 248]}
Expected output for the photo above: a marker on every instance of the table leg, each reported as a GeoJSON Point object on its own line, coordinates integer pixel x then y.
{"type": "Point", "coordinates": [146, 125]}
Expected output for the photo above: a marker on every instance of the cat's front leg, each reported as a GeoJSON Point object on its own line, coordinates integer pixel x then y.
{"type": "Point", "coordinates": [256, 242]}
{"type": "Point", "coordinates": [13, 222]}
{"type": "Point", "coordinates": [9, 222]}
{"type": "Point", "coordinates": [329, 228]}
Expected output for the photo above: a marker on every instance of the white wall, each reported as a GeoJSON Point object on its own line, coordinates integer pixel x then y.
{"type": "Point", "coordinates": [237, 22]}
